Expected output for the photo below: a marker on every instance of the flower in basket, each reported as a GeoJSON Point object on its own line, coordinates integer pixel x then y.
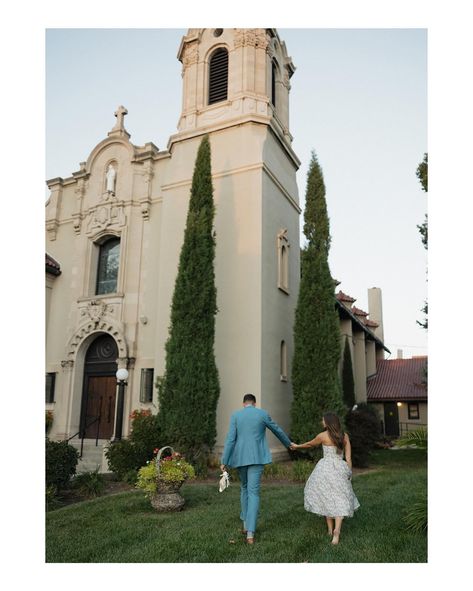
{"type": "Point", "coordinates": [172, 470]}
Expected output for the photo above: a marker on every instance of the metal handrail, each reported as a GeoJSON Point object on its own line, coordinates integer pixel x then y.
{"type": "Point", "coordinates": [86, 426]}
{"type": "Point", "coordinates": [406, 424]}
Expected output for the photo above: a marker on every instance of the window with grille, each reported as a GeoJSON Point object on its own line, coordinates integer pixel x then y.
{"type": "Point", "coordinates": [50, 387]}
{"type": "Point", "coordinates": [107, 272]}
{"type": "Point", "coordinates": [413, 410]}
{"type": "Point", "coordinates": [146, 386]}
{"type": "Point", "coordinates": [218, 76]}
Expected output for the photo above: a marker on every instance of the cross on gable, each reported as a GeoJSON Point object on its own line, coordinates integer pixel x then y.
{"type": "Point", "coordinates": [120, 115]}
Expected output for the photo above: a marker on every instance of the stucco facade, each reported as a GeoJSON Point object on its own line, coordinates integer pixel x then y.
{"type": "Point", "coordinates": [362, 334]}
{"type": "Point", "coordinates": [144, 208]}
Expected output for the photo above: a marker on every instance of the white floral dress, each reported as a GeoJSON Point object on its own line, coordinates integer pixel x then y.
{"type": "Point", "coordinates": [328, 490]}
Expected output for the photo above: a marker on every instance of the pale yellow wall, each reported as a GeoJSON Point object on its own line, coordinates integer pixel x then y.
{"type": "Point", "coordinates": [370, 358]}
{"type": "Point", "coordinates": [255, 192]}
{"type": "Point", "coordinates": [359, 366]}
{"type": "Point", "coordinates": [280, 212]}
{"type": "Point", "coordinates": [404, 416]}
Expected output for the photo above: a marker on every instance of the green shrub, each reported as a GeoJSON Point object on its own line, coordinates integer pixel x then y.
{"type": "Point", "coordinates": [52, 500]}
{"type": "Point", "coordinates": [131, 477]}
{"type": "Point", "coordinates": [89, 484]}
{"type": "Point", "coordinates": [128, 455]}
{"type": "Point", "coordinates": [301, 470]}
{"type": "Point", "coordinates": [122, 457]}
{"type": "Point", "coordinates": [415, 517]}
{"type": "Point", "coordinates": [364, 429]}
{"type": "Point", "coordinates": [417, 437]}
{"type": "Point", "coordinates": [61, 463]}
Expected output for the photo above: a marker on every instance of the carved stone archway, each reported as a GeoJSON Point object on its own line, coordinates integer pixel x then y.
{"type": "Point", "coordinates": [98, 325]}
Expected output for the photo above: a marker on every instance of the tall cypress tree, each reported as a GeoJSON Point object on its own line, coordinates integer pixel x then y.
{"type": "Point", "coordinates": [315, 379]}
{"type": "Point", "coordinates": [189, 389]}
{"type": "Point", "coordinates": [348, 383]}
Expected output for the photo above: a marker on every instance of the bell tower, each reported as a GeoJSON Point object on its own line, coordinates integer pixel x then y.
{"type": "Point", "coordinates": [235, 75]}
{"type": "Point", "coordinates": [236, 85]}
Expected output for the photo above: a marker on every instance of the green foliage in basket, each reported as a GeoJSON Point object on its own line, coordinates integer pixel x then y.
{"type": "Point", "coordinates": [172, 469]}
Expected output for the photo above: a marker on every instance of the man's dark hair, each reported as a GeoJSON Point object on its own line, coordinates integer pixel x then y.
{"type": "Point", "coordinates": [249, 398]}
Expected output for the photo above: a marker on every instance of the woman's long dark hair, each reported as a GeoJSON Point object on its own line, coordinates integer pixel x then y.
{"type": "Point", "coordinates": [334, 430]}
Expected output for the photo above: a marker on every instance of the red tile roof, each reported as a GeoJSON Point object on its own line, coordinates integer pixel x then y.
{"type": "Point", "coordinates": [343, 297]}
{"type": "Point", "coordinates": [358, 312]}
{"type": "Point", "coordinates": [52, 266]}
{"type": "Point", "coordinates": [372, 323]}
{"type": "Point", "coordinates": [398, 379]}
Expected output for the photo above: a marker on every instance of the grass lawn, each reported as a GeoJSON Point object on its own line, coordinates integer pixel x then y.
{"type": "Point", "coordinates": [125, 528]}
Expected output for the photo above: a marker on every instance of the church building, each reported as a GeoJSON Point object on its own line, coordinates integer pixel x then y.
{"type": "Point", "coordinates": [115, 227]}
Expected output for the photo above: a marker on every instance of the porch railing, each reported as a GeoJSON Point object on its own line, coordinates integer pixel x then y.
{"type": "Point", "coordinates": [406, 427]}
{"type": "Point", "coordinates": [81, 433]}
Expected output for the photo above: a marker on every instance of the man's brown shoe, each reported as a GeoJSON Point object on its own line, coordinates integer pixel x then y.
{"type": "Point", "coordinates": [243, 531]}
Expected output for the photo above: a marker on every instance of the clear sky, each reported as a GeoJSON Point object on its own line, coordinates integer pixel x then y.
{"type": "Point", "coordinates": [358, 98]}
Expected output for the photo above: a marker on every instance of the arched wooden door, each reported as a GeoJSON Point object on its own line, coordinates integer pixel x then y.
{"type": "Point", "coordinates": [99, 390]}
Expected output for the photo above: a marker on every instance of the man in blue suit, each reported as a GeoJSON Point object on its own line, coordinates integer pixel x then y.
{"type": "Point", "coordinates": [246, 448]}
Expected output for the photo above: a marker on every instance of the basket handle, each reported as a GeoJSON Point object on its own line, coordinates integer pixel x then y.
{"type": "Point", "coordinates": [158, 457]}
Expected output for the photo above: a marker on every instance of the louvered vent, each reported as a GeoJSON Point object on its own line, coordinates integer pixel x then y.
{"type": "Point", "coordinates": [218, 76]}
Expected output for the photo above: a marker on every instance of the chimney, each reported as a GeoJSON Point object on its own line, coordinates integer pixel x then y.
{"type": "Point", "coordinates": [375, 309]}
{"type": "Point", "coordinates": [399, 353]}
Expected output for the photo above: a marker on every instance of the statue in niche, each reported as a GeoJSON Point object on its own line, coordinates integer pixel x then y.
{"type": "Point", "coordinates": [111, 176]}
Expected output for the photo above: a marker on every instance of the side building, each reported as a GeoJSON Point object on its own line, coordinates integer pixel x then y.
{"type": "Point", "coordinates": [399, 392]}
{"type": "Point", "coordinates": [364, 333]}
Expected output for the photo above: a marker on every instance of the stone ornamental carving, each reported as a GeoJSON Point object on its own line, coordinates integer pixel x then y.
{"type": "Point", "coordinates": [261, 39]}
{"type": "Point", "coordinates": [191, 54]}
{"type": "Point", "coordinates": [285, 79]}
{"type": "Point", "coordinates": [67, 364]}
{"type": "Point", "coordinates": [80, 192]}
{"type": "Point", "coordinates": [250, 38]}
{"type": "Point", "coordinates": [282, 236]}
{"type": "Point", "coordinates": [104, 216]}
{"type": "Point", "coordinates": [51, 227]}
{"type": "Point", "coordinates": [96, 309]}
{"type": "Point", "coordinates": [104, 325]}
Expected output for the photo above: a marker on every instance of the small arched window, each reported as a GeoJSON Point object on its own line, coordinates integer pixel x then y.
{"type": "Point", "coordinates": [218, 76]}
{"type": "Point", "coordinates": [273, 82]}
{"type": "Point", "coordinates": [283, 261]}
{"type": "Point", "coordinates": [284, 269]}
{"type": "Point", "coordinates": [283, 361]}
{"type": "Point", "coordinates": [107, 270]}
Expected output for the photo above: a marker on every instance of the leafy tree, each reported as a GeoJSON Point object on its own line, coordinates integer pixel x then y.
{"type": "Point", "coordinates": [363, 426]}
{"type": "Point", "coordinates": [316, 383]}
{"type": "Point", "coordinates": [348, 382]}
{"type": "Point", "coordinates": [422, 173]}
{"type": "Point", "coordinates": [189, 390]}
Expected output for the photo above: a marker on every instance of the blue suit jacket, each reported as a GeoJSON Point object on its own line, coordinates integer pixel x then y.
{"type": "Point", "coordinates": [246, 440]}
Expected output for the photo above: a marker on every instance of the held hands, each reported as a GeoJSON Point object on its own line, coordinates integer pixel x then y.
{"type": "Point", "coordinates": [293, 446]}
{"type": "Point", "coordinates": [222, 467]}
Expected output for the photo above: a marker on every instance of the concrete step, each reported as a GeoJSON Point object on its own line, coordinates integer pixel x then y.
{"type": "Point", "coordinates": [93, 456]}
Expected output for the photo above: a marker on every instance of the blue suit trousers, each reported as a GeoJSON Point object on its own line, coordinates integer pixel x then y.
{"type": "Point", "coordinates": [250, 478]}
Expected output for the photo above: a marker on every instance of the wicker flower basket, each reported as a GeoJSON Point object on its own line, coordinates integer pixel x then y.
{"type": "Point", "coordinates": [167, 497]}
